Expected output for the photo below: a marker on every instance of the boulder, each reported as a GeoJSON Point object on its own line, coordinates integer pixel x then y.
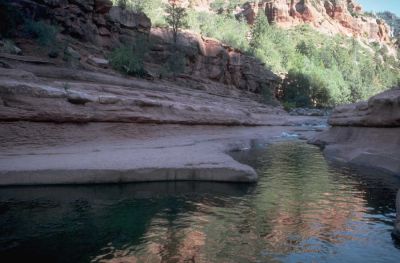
{"type": "Point", "coordinates": [72, 57]}
{"type": "Point", "coordinates": [98, 62]}
{"type": "Point", "coordinates": [70, 52]}
{"type": "Point", "coordinates": [382, 110]}
{"type": "Point", "coordinates": [365, 134]}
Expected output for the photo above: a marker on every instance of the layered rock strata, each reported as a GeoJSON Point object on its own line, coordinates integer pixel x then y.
{"type": "Point", "coordinates": [327, 16]}
{"type": "Point", "coordinates": [366, 134]}
{"type": "Point", "coordinates": [49, 93]}
{"type": "Point", "coordinates": [106, 27]}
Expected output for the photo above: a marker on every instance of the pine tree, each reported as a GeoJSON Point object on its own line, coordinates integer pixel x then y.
{"type": "Point", "coordinates": [175, 18]}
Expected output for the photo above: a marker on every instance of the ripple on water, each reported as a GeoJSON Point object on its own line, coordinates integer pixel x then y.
{"type": "Point", "coordinates": [301, 210]}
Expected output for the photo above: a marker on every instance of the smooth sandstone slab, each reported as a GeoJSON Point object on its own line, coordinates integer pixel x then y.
{"type": "Point", "coordinates": [45, 153]}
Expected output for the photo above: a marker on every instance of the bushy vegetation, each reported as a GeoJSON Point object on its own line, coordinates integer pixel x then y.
{"type": "Point", "coordinates": [45, 34]}
{"type": "Point", "coordinates": [321, 70]}
{"type": "Point", "coordinates": [129, 59]}
{"type": "Point", "coordinates": [222, 6]}
{"type": "Point", "coordinates": [226, 28]}
{"type": "Point", "coordinates": [152, 8]}
{"type": "Point", "coordinates": [328, 70]}
{"type": "Point", "coordinates": [175, 16]}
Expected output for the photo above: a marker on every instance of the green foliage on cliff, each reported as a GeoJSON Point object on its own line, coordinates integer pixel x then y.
{"type": "Point", "coordinates": [321, 70]}
{"type": "Point", "coordinates": [175, 16]}
{"type": "Point", "coordinates": [152, 8]}
{"type": "Point", "coordinates": [222, 27]}
{"type": "Point", "coordinates": [221, 6]}
{"type": "Point", "coordinates": [330, 70]}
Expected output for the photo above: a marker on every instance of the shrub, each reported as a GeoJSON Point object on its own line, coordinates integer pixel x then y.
{"type": "Point", "coordinates": [44, 33]}
{"type": "Point", "coordinates": [129, 59]}
{"type": "Point", "coordinates": [323, 71]}
{"type": "Point", "coordinates": [225, 28]}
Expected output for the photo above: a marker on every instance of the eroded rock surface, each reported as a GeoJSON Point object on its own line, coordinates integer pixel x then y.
{"type": "Point", "coordinates": [100, 27]}
{"type": "Point", "coordinates": [366, 134]}
{"type": "Point", "coordinates": [382, 110]}
{"type": "Point", "coordinates": [48, 93]}
{"type": "Point", "coordinates": [208, 58]}
{"type": "Point", "coordinates": [48, 153]}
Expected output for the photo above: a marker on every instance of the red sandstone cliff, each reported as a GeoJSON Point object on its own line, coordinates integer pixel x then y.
{"type": "Point", "coordinates": [327, 16]}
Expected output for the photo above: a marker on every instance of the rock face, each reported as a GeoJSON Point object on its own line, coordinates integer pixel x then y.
{"type": "Point", "coordinates": [95, 21]}
{"type": "Point", "coordinates": [327, 16]}
{"type": "Point", "coordinates": [107, 26]}
{"type": "Point", "coordinates": [396, 231]}
{"type": "Point", "coordinates": [366, 134]}
{"type": "Point", "coordinates": [393, 21]}
{"type": "Point", "coordinates": [382, 110]}
{"type": "Point", "coordinates": [40, 92]}
{"type": "Point", "coordinates": [208, 58]}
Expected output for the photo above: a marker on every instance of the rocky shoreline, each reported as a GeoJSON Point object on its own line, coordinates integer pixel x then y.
{"type": "Point", "coordinates": [365, 134]}
{"type": "Point", "coordinates": [46, 153]}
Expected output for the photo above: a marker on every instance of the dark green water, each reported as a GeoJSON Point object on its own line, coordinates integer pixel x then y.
{"type": "Point", "coordinates": [301, 210]}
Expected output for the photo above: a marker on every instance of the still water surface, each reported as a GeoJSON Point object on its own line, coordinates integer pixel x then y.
{"type": "Point", "coordinates": [301, 210]}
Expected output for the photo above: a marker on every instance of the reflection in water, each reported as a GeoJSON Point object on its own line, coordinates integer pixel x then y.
{"type": "Point", "coordinates": [301, 210]}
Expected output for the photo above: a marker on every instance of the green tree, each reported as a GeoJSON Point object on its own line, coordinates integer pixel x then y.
{"type": "Point", "coordinates": [175, 18]}
{"type": "Point", "coordinates": [259, 30]}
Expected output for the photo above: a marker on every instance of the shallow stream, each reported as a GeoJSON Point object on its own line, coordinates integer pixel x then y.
{"type": "Point", "coordinates": [301, 210]}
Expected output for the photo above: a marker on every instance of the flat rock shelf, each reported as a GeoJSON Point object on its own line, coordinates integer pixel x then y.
{"type": "Point", "coordinates": [45, 153]}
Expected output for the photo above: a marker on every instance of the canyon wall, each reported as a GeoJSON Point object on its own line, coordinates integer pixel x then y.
{"type": "Point", "coordinates": [327, 16]}
{"type": "Point", "coordinates": [104, 26]}
{"type": "Point", "coordinates": [219, 85]}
